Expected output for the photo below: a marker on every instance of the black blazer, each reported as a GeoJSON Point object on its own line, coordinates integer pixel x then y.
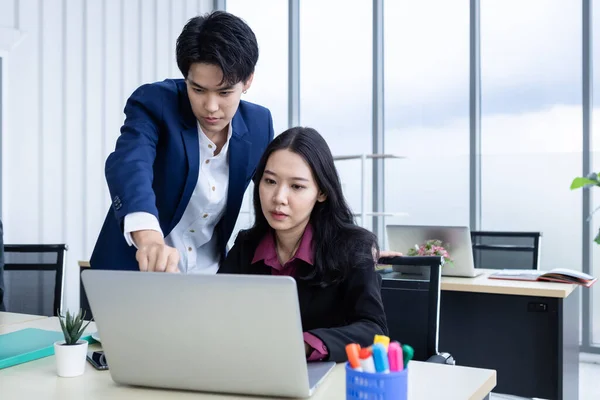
{"type": "Point", "coordinates": [348, 312]}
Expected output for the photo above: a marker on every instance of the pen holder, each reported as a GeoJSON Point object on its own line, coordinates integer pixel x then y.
{"type": "Point", "coordinates": [369, 386]}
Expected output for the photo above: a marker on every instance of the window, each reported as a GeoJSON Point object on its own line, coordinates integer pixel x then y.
{"type": "Point", "coordinates": [427, 111]}
{"type": "Point", "coordinates": [595, 291]}
{"type": "Point", "coordinates": [531, 123]}
{"type": "Point", "coordinates": [269, 21]}
{"type": "Point", "coordinates": [336, 81]}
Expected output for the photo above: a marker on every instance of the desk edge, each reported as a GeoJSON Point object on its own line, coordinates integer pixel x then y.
{"type": "Point", "coordinates": [486, 388]}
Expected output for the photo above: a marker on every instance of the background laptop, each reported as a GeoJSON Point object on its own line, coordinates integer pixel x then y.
{"type": "Point", "coordinates": [214, 333]}
{"type": "Point", "coordinates": [458, 238]}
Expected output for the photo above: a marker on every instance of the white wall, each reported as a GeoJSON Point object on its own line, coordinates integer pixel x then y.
{"type": "Point", "coordinates": [67, 81]}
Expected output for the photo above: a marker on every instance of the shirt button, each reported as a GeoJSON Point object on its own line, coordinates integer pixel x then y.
{"type": "Point", "coordinates": [213, 188]}
{"type": "Point", "coordinates": [207, 161]}
{"type": "Point", "coordinates": [191, 230]}
{"type": "Point", "coordinates": [189, 249]}
{"type": "Point", "coordinates": [205, 216]}
{"type": "Point", "coordinates": [210, 146]}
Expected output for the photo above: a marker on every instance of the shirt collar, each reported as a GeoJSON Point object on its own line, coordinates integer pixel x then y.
{"type": "Point", "coordinates": [206, 141]}
{"type": "Point", "coordinates": [267, 251]}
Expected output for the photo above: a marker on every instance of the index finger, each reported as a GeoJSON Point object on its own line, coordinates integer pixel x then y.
{"type": "Point", "coordinates": [142, 259]}
{"type": "Point", "coordinates": [172, 262]}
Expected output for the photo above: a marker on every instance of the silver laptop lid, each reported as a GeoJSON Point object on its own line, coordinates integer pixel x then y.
{"type": "Point", "coordinates": [215, 333]}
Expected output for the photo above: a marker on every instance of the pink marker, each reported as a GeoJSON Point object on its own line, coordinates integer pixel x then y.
{"type": "Point", "coordinates": [395, 357]}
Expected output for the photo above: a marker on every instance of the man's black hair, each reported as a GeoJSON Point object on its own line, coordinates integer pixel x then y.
{"type": "Point", "coordinates": [222, 39]}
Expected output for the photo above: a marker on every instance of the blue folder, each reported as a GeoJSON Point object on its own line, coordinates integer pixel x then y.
{"type": "Point", "coordinates": [29, 344]}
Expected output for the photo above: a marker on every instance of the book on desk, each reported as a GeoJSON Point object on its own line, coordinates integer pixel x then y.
{"type": "Point", "coordinates": [560, 275]}
{"type": "Point", "coordinates": [29, 344]}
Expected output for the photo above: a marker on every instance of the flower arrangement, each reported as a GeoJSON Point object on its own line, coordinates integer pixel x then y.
{"type": "Point", "coordinates": [432, 247]}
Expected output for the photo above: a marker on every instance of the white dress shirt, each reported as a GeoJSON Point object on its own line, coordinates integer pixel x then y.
{"type": "Point", "coordinates": [193, 236]}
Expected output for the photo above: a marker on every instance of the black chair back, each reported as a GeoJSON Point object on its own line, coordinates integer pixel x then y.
{"type": "Point", "coordinates": [410, 293]}
{"type": "Point", "coordinates": [506, 250]}
{"type": "Point", "coordinates": [33, 278]}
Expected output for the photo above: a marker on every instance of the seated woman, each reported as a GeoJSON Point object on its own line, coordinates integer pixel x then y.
{"type": "Point", "coordinates": [305, 229]}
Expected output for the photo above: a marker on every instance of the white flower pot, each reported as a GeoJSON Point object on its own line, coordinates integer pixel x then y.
{"type": "Point", "coordinates": [70, 360]}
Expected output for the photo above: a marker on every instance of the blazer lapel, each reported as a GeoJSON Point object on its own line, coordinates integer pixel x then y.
{"type": "Point", "coordinates": [192, 151]}
{"type": "Point", "coordinates": [305, 295]}
{"type": "Point", "coordinates": [260, 268]}
{"type": "Point", "coordinates": [191, 143]}
{"type": "Point", "coordinates": [239, 149]}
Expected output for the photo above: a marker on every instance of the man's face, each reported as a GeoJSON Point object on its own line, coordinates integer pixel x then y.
{"type": "Point", "coordinates": [214, 103]}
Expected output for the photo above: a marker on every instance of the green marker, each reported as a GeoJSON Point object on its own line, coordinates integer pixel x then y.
{"type": "Point", "coordinates": [407, 354]}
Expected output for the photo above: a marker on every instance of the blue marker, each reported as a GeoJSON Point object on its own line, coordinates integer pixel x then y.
{"type": "Point", "coordinates": [380, 359]}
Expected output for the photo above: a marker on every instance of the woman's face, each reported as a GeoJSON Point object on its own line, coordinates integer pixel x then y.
{"type": "Point", "coordinates": [288, 192]}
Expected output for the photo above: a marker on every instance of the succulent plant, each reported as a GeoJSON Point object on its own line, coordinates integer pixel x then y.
{"type": "Point", "coordinates": [72, 326]}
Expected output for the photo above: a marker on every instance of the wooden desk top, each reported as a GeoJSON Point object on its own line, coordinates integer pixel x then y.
{"type": "Point", "coordinates": [482, 284]}
{"type": "Point", "coordinates": [7, 318]}
{"type": "Point", "coordinates": [48, 323]}
{"type": "Point", "coordinates": [450, 382]}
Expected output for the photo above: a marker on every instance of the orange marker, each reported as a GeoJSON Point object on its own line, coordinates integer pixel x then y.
{"type": "Point", "coordinates": [352, 351]}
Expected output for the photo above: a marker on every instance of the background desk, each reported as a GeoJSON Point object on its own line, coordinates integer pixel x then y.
{"type": "Point", "coordinates": [7, 318]}
{"type": "Point", "coordinates": [449, 382]}
{"type": "Point", "coordinates": [527, 331]}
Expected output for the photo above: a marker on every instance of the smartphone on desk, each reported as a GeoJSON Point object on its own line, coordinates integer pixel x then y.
{"type": "Point", "coordinates": [97, 359]}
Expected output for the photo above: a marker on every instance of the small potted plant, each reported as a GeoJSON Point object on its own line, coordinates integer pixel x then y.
{"type": "Point", "coordinates": [71, 352]}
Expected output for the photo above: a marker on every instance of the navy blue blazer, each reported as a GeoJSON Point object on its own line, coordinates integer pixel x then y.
{"type": "Point", "coordinates": [155, 166]}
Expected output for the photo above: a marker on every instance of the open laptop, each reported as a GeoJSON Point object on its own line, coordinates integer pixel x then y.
{"type": "Point", "coordinates": [457, 239]}
{"type": "Point", "coordinates": [211, 333]}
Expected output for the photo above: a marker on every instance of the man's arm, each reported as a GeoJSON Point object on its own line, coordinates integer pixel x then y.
{"type": "Point", "coordinates": [128, 169]}
{"type": "Point", "coordinates": [129, 175]}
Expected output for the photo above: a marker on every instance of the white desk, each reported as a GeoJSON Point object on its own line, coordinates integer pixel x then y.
{"type": "Point", "coordinates": [38, 379]}
{"type": "Point", "coordinates": [7, 318]}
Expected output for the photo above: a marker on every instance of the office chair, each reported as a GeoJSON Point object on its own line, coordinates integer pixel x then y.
{"type": "Point", "coordinates": [84, 303]}
{"type": "Point", "coordinates": [33, 278]}
{"type": "Point", "coordinates": [506, 250]}
{"type": "Point", "coordinates": [411, 298]}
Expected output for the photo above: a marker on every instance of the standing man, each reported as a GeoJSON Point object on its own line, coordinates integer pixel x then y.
{"type": "Point", "coordinates": [185, 156]}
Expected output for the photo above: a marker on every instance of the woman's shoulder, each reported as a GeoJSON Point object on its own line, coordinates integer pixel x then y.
{"type": "Point", "coordinates": [354, 248]}
{"type": "Point", "coordinates": [245, 236]}
{"type": "Point", "coordinates": [246, 241]}
{"type": "Point", "coordinates": [357, 239]}
{"type": "Point", "coordinates": [240, 255]}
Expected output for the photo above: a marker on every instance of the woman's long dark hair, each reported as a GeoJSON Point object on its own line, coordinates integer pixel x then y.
{"type": "Point", "coordinates": [339, 244]}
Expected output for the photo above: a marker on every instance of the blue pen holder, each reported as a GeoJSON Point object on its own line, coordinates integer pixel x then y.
{"type": "Point", "coordinates": [369, 386]}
